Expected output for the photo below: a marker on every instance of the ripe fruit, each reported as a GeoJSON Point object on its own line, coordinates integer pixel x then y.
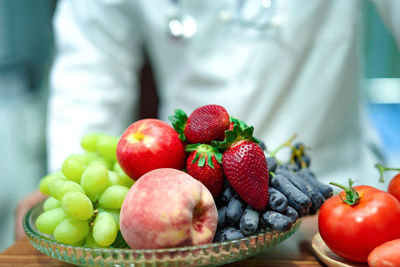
{"type": "Point", "coordinates": [245, 166]}
{"type": "Point", "coordinates": [77, 205]}
{"type": "Point", "coordinates": [394, 185]}
{"type": "Point", "coordinates": [206, 123]}
{"type": "Point", "coordinates": [358, 220]}
{"type": "Point", "coordinates": [205, 164]}
{"type": "Point", "coordinates": [149, 144]}
{"type": "Point", "coordinates": [385, 255]}
{"type": "Point", "coordinates": [71, 231]}
{"type": "Point", "coordinates": [104, 229]}
{"type": "Point", "coordinates": [168, 208]}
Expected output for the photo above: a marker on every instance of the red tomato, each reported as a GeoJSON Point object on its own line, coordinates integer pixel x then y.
{"type": "Point", "coordinates": [354, 231]}
{"type": "Point", "coordinates": [394, 186]}
{"type": "Point", "coordinates": [387, 254]}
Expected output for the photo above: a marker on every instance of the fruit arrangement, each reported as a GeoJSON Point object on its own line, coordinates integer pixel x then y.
{"type": "Point", "coordinates": [253, 191]}
{"type": "Point", "coordinates": [204, 179]}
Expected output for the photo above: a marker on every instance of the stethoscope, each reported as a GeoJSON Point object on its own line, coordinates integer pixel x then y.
{"type": "Point", "coordinates": [254, 14]}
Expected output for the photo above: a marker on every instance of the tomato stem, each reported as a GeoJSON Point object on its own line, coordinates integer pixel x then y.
{"type": "Point", "coordinates": [352, 196]}
{"type": "Point", "coordinates": [382, 169]}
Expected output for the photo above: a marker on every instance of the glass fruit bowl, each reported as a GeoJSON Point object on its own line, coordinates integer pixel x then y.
{"type": "Point", "coordinates": [203, 255]}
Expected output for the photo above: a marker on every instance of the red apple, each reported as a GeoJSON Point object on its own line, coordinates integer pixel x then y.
{"type": "Point", "coordinates": [149, 144]}
{"type": "Point", "coordinates": [168, 208]}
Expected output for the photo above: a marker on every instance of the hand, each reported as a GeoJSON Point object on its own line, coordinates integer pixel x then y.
{"type": "Point", "coordinates": [23, 206]}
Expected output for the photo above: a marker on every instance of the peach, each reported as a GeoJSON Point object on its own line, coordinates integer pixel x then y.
{"type": "Point", "coordinates": [168, 208]}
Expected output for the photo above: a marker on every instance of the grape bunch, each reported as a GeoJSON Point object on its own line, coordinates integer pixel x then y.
{"type": "Point", "coordinates": [294, 192]}
{"type": "Point", "coordinates": [85, 196]}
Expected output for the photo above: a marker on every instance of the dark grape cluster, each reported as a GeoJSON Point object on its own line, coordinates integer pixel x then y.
{"type": "Point", "coordinates": [294, 192]}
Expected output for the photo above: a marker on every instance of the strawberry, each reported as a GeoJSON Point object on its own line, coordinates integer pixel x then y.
{"type": "Point", "coordinates": [245, 166]}
{"type": "Point", "coordinates": [204, 163]}
{"type": "Point", "coordinates": [206, 123]}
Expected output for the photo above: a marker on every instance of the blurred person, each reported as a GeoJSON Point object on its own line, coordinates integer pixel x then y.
{"type": "Point", "coordinates": [25, 57]}
{"type": "Point", "coordinates": [283, 66]}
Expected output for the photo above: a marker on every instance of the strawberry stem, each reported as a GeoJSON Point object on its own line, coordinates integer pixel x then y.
{"type": "Point", "coordinates": [382, 169]}
{"type": "Point", "coordinates": [204, 153]}
{"type": "Point", "coordinates": [178, 121]}
{"type": "Point", "coordinates": [352, 196]}
{"type": "Point", "coordinates": [236, 121]}
{"type": "Point", "coordinates": [235, 135]}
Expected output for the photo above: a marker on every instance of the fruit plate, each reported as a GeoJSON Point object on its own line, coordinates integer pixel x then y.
{"type": "Point", "coordinates": [212, 254]}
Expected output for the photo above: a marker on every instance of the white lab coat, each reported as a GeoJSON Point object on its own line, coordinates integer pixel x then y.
{"type": "Point", "coordinates": [300, 74]}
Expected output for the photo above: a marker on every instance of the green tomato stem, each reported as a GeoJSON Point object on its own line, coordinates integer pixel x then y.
{"type": "Point", "coordinates": [352, 196]}
{"type": "Point", "coordinates": [382, 169]}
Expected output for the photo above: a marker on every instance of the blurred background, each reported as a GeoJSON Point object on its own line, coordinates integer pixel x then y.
{"type": "Point", "coordinates": [26, 50]}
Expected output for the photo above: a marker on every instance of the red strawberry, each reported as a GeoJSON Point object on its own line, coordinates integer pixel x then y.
{"type": "Point", "coordinates": [204, 124]}
{"type": "Point", "coordinates": [245, 167]}
{"type": "Point", "coordinates": [204, 163]}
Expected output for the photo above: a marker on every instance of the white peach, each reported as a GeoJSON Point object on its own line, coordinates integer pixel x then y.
{"type": "Point", "coordinates": [168, 208]}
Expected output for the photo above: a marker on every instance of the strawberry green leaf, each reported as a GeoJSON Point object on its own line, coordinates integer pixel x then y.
{"type": "Point", "coordinates": [218, 157]}
{"type": "Point", "coordinates": [236, 121]}
{"type": "Point", "coordinates": [202, 160]}
{"type": "Point", "coordinates": [192, 147]}
{"type": "Point", "coordinates": [196, 158]}
{"type": "Point", "coordinates": [209, 160]}
{"type": "Point", "coordinates": [230, 136]}
{"type": "Point", "coordinates": [178, 121]}
{"type": "Point", "coordinates": [202, 151]}
{"type": "Point", "coordinates": [235, 135]}
{"type": "Point", "coordinates": [243, 126]}
{"type": "Point", "coordinates": [247, 133]}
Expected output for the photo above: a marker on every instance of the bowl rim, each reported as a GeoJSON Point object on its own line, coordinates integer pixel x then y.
{"type": "Point", "coordinates": [36, 234]}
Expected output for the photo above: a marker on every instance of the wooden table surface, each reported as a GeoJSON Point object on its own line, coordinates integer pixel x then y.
{"type": "Point", "coordinates": [295, 251]}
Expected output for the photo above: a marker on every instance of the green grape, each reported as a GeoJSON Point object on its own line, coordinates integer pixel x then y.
{"type": "Point", "coordinates": [107, 147]}
{"type": "Point", "coordinates": [80, 243]}
{"type": "Point", "coordinates": [104, 229]}
{"type": "Point", "coordinates": [113, 197]}
{"type": "Point", "coordinates": [125, 178]}
{"type": "Point", "coordinates": [114, 179]}
{"type": "Point", "coordinates": [73, 167]}
{"type": "Point", "coordinates": [44, 184]}
{"type": "Point", "coordinates": [77, 205]}
{"type": "Point", "coordinates": [59, 188]}
{"type": "Point", "coordinates": [90, 243]}
{"type": "Point", "coordinates": [51, 203]}
{"type": "Point", "coordinates": [114, 213]}
{"type": "Point", "coordinates": [101, 161]}
{"type": "Point", "coordinates": [48, 220]}
{"type": "Point", "coordinates": [89, 141]}
{"type": "Point", "coordinates": [71, 231]}
{"type": "Point", "coordinates": [88, 157]}
{"type": "Point", "coordinates": [94, 180]}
